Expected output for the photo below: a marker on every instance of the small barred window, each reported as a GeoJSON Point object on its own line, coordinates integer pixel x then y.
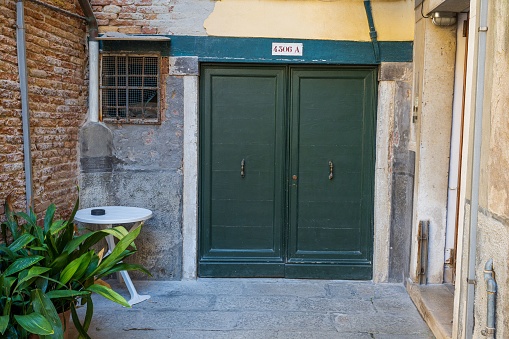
{"type": "Point", "coordinates": [130, 88]}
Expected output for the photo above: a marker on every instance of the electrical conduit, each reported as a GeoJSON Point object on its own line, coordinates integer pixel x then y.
{"type": "Point", "coordinates": [25, 112]}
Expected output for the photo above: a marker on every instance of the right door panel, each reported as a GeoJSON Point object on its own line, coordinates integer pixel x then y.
{"type": "Point", "coordinates": [331, 173]}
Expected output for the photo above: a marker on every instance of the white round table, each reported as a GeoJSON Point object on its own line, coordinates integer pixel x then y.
{"type": "Point", "coordinates": [117, 215]}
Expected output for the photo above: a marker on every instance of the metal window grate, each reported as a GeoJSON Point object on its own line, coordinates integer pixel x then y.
{"type": "Point", "coordinates": [130, 88]}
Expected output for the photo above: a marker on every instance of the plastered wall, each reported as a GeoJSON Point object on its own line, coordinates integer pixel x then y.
{"type": "Point", "coordinates": [434, 57]}
{"type": "Point", "coordinates": [310, 19]}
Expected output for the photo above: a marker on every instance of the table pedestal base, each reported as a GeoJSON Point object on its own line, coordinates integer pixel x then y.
{"type": "Point", "coordinates": [135, 297]}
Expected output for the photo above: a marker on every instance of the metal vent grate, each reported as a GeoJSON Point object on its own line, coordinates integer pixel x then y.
{"type": "Point", "coordinates": [130, 88]}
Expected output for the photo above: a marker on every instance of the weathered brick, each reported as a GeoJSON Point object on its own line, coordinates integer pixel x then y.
{"type": "Point", "coordinates": [153, 9]}
{"type": "Point", "coordinates": [149, 30]}
{"type": "Point", "coordinates": [122, 2]}
{"type": "Point", "coordinates": [106, 16]}
{"type": "Point", "coordinates": [100, 2]}
{"type": "Point", "coordinates": [103, 22]}
{"type": "Point", "coordinates": [128, 16]}
{"type": "Point", "coordinates": [143, 2]}
{"type": "Point", "coordinates": [128, 9]}
{"type": "Point", "coordinates": [104, 29]}
{"type": "Point", "coordinates": [150, 17]}
{"type": "Point", "coordinates": [111, 9]}
{"type": "Point", "coordinates": [129, 29]}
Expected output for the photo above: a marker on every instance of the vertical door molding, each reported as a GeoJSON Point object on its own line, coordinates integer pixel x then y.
{"type": "Point", "coordinates": [394, 77]}
{"type": "Point", "coordinates": [190, 166]}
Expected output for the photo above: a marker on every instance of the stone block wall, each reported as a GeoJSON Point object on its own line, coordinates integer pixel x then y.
{"type": "Point", "coordinates": [56, 63]}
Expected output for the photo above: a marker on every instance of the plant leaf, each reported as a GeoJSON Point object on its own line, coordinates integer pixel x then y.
{"type": "Point", "coordinates": [76, 242]}
{"type": "Point", "coordinates": [22, 263]}
{"type": "Point", "coordinates": [68, 234]}
{"type": "Point", "coordinates": [33, 272]}
{"type": "Point", "coordinates": [87, 258]}
{"type": "Point", "coordinates": [10, 218]}
{"type": "Point", "coordinates": [66, 294]}
{"type": "Point", "coordinates": [70, 220]}
{"type": "Point", "coordinates": [89, 313]}
{"type": "Point", "coordinates": [42, 283]}
{"type": "Point", "coordinates": [102, 282]}
{"type": "Point", "coordinates": [76, 321]}
{"type": "Point", "coordinates": [127, 267]}
{"type": "Point", "coordinates": [117, 231]}
{"type": "Point", "coordinates": [30, 218]}
{"type": "Point", "coordinates": [92, 267]}
{"type": "Point", "coordinates": [6, 284]}
{"type": "Point", "coordinates": [78, 264]}
{"type": "Point", "coordinates": [119, 248]}
{"type": "Point", "coordinates": [48, 217]}
{"type": "Point", "coordinates": [4, 322]}
{"type": "Point", "coordinates": [34, 323]}
{"type": "Point", "coordinates": [38, 248]}
{"type": "Point", "coordinates": [7, 251]}
{"type": "Point", "coordinates": [108, 293]}
{"type": "Point", "coordinates": [21, 242]}
{"type": "Point", "coordinates": [43, 305]}
{"type": "Point", "coordinates": [57, 226]}
{"type": "Point", "coordinates": [7, 307]}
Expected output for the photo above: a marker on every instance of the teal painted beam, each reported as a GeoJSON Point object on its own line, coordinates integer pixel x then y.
{"type": "Point", "coordinates": [259, 50]}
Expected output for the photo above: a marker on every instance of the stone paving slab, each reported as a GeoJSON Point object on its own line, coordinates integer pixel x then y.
{"type": "Point", "coordinates": [260, 308]}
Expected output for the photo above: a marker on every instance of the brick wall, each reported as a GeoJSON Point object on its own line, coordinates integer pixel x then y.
{"type": "Point", "coordinates": [127, 16]}
{"type": "Point", "coordinates": [183, 17]}
{"type": "Point", "coordinates": [56, 61]}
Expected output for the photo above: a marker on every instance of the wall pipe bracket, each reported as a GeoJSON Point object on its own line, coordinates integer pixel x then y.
{"type": "Point", "coordinates": [491, 291]}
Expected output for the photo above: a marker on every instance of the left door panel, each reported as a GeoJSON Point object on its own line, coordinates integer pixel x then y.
{"type": "Point", "coordinates": [242, 162]}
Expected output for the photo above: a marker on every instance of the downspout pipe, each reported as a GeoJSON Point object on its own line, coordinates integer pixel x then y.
{"type": "Point", "coordinates": [93, 30]}
{"type": "Point", "coordinates": [372, 30]}
{"type": "Point", "coordinates": [491, 290]}
{"type": "Point", "coordinates": [93, 50]}
{"type": "Point", "coordinates": [476, 166]}
{"type": "Point", "coordinates": [25, 112]}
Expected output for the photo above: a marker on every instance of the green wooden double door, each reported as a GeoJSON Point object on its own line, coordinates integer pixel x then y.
{"type": "Point", "coordinates": [287, 168]}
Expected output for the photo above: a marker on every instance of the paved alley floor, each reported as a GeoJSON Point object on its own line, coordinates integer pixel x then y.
{"type": "Point", "coordinates": [260, 308]}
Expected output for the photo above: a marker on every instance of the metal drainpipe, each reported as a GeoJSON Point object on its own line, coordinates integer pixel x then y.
{"type": "Point", "coordinates": [93, 52]}
{"type": "Point", "coordinates": [25, 112]}
{"type": "Point", "coordinates": [491, 290]}
{"type": "Point", "coordinates": [476, 166]}
{"type": "Point", "coordinates": [372, 30]}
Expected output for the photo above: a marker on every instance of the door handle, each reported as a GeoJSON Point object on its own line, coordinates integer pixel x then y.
{"type": "Point", "coordinates": [242, 165]}
{"type": "Point", "coordinates": [331, 170]}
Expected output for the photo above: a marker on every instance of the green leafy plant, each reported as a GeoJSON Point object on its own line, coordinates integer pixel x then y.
{"type": "Point", "coordinates": [51, 269]}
